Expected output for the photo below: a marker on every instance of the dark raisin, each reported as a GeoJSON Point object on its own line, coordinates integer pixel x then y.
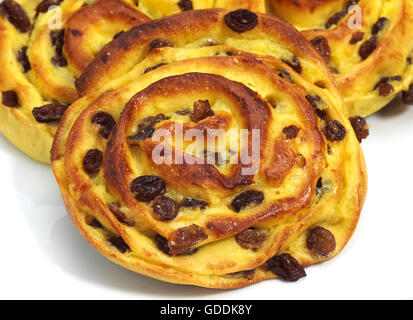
{"type": "Point", "coordinates": [321, 113]}
{"type": "Point", "coordinates": [408, 95]}
{"type": "Point", "coordinates": [385, 89]}
{"type": "Point", "coordinates": [379, 25]}
{"type": "Point", "coordinates": [360, 127]}
{"type": "Point", "coordinates": [162, 245]}
{"type": "Point", "coordinates": [145, 129]}
{"type": "Point", "coordinates": [185, 5]}
{"type": "Point", "coordinates": [286, 267]}
{"type": "Point", "coordinates": [247, 198]}
{"type": "Point", "coordinates": [10, 99]}
{"type": "Point", "coordinates": [23, 59]}
{"type": "Point", "coordinates": [316, 101]}
{"type": "Point", "coordinates": [295, 64]}
{"type": "Point", "coordinates": [94, 223]}
{"type": "Point", "coordinates": [118, 34]}
{"type": "Point", "coordinates": [154, 67]}
{"type": "Point", "coordinates": [334, 130]}
{"type": "Point", "coordinates": [351, 3]}
{"type": "Point", "coordinates": [49, 113]}
{"type": "Point", "coordinates": [92, 162]}
{"type": "Point", "coordinates": [183, 239]}
{"type": "Point", "coordinates": [357, 37]}
{"type": "Point", "coordinates": [119, 244]}
{"type": "Point", "coordinates": [323, 48]}
{"type": "Point", "coordinates": [147, 188]}
{"type": "Point", "coordinates": [231, 53]}
{"type": "Point", "coordinates": [165, 208]}
{"type": "Point", "coordinates": [120, 215]}
{"type": "Point", "coordinates": [321, 241]}
{"type": "Point", "coordinates": [194, 203]}
{"type": "Point", "coordinates": [284, 74]}
{"type": "Point", "coordinates": [335, 19]}
{"type": "Point", "coordinates": [57, 38]}
{"type": "Point", "coordinates": [160, 43]}
{"type": "Point", "coordinates": [291, 132]}
{"type": "Point", "coordinates": [251, 239]}
{"type": "Point", "coordinates": [241, 20]}
{"type": "Point", "coordinates": [202, 110]}
{"type": "Point", "coordinates": [105, 122]}
{"type": "Point", "coordinates": [46, 4]}
{"type": "Point", "coordinates": [16, 15]}
{"type": "Point", "coordinates": [387, 80]}
{"type": "Point", "coordinates": [367, 48]}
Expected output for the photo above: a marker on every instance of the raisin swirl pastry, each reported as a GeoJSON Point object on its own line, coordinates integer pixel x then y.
{"type": "Point", "coordinates": [205, 220]}
{"type": "Point", "coordinates": [41, 60]}
{"type": "Point", "coordinates": [367, 44]}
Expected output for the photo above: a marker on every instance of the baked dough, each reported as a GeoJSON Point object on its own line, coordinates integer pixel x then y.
{"type": "Point", "coordinates": [372, 61]}
{"type": "Point", "coordinates": [211, 225]}
{"type": "Point", "coordinates": [41, 59]}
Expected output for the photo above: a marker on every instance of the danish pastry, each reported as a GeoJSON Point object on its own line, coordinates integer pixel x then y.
{"type": "Point", "coordinates": [209, 148]}
{"type": "Point", "coordinates": [368, 44]}
{"type": "Point", "coordinates": [45, 46]}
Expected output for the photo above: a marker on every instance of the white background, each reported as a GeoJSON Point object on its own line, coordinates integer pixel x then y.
{"type": "Point", "coordinates": [44, 256]}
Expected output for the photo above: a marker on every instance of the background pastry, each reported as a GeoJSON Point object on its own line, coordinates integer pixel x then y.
{"type": "Point", "coordinates": [211, 224]}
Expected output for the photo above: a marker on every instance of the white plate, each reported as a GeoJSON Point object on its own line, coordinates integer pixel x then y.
{"type": "Point", "coordinates": [44, 256]}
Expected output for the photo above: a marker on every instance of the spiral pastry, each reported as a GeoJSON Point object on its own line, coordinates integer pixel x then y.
{"type": "Point", "coordinates": [368, 44]}
{"type": "Point", "coordinates": [45, 46]}
{"type": "Point", "coordinates": [151, 185]}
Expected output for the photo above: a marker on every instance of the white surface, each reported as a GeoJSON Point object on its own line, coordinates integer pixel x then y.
{"type": "Point", "coordinates": [44, 256]}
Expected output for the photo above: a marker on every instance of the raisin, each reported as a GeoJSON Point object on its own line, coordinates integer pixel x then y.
{"type": "Point", "coordinates": [92, 162]}
{"type": "Point", "coordinates": [202, 110]}
{"type": "Point", "coordinates": [119, 244]}
{"type": "Point", "coordinates": [315, 101]}
{"type": "Point", "coordinates": [57, 37]}
{"type": "Point", "coordinates": [160, 43]}
{"type": "Point", "coordinates": [183, 239]}
{"type": "Point", "coordinates": [23, 59]}
{"type": "Point", "coordinates": [351, 3]}
{"type": "Point", "coordinates": [194, 203]}
{"type": "Point", "coordinates": [247, 198]}
{"type": "Point", "coordinates": [408, 95]}
{"type": "Point", "coordinates": [185, 5]}
{"type": "Point", "coordinates": [334, 130]}
{"type": "Point", "coordinates": [154, 67]}
{"type": "Point", "coordinates": [49, 113]}
{"type": "Point", "coordinates": [379, 25]}
{"type": "Point", "coordinates": [16, 15]}
{"type": "Point", "coordinates": [241, 20]}
{"type": "Point", "coordinates": [285, 75]}
{"type": "Point", "coordinates": [319, 186]}
{"type": "Point", "coordinates": [385, 89]}
{"type": "Point", "coordinates": [10, 99]}
{"type": "Point", "coordinates": [162, 245]}
{"type": "Point", "coordinates": [120, 215]}
{"type": "Point", "coordinates": [321, 241]}
{"type": "Point", "coordinates": [231, 53]}
{"type": "Point", "coordinates": [335, 19]}
{"type": "Point", "coordinates": [145, 129]}
{"type": "Point", "coordinates": [286, 267]}
{"type": "Point", "coordinates": [323, 48]}
{"type": "Point", "coordinates": [367, 48]}
{"type": "Point", "coordinates": [165, 208]}
{"type": "Point", "coordinates": [46, 4]}
{"type": "Point", "coordinates": [386, 80]}
{"type": "Point", "coordinates": [360, 127]}
{"type": "Point", "coordinates": [295, 64]}
{"type": "Point", "coordinates": [118, 34]}
{"type": "Point", "coordinates": [105, 121]}
{"type": "Point", "coordinates": [147, 188]}
{"type": "Point", "coordinates": [251, 239]}
{"type": "Point", "coordinates": [356, 37]}
{"type": "Point", "coordinates": [291, 132]}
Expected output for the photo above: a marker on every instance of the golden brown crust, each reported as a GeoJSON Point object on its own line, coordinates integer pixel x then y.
{"type": "Point", "coordinates": [246, 87]}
